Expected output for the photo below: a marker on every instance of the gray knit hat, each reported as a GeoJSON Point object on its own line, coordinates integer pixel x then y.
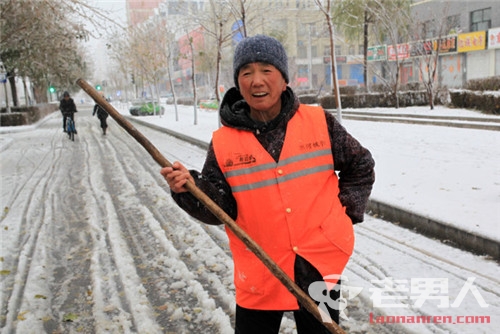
{"type": "Point", "coordinates": [260, 48]}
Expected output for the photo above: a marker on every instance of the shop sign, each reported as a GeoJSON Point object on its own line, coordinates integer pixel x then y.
{"type": "Point", "coordinates": [494, 38]}
{"type": "Point", "coordinates": [447, 44]}
{"type": "Point", "coordinates": [473, 41]}
{"type": "Point", "coordinates": [341, 59]}
{"type": "Point", "coordinates": [420, 48]}
{"type": "Point", "coordinates": [403, 51]}
{"type": "Point", "coordinates": [377, 53]}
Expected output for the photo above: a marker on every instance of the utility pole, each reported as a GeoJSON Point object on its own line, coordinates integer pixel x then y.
{"type": "Point", "coordinates": [309, 57]}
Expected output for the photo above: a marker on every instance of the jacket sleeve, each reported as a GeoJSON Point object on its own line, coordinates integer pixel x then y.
{"type": "Point", "coordinates": [212, 182]}
{"type": "Point", "coordinates": [355, 165]}
{"type": "Point", "coordinates": [73, 106]}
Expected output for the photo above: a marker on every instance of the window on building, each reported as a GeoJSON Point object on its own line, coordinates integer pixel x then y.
{"type": "Point", "coordinates": [338, 50]}
{"type": "Point", "coordinates": [314, 51]}
{"type": "Point", "coordinates": [361, 49]}
{"type": "Point", "coordinates": [352, 50]}
{"type": "Point", "coordinates": [301, 49]}
{"type": "Point", "coordinates": [326, 51]}
{"type": "Point", "coordinates": [429, 29]}
{"type": "Point", "coordinates": [302, 30]}
{"type": "Point", "coordinates": [313, 30]}
{"type": "Point", "coordinates": [480, 19]}
{"type": "Point", "coordinates": [302, 70]}
{"type": "Point", "coordinates": [453, 23]}
{"type": "Point", "coordinates": [173, 9]}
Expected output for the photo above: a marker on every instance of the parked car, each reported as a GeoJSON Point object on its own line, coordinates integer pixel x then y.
{"type": "Point", "coordinates": [144, 107]}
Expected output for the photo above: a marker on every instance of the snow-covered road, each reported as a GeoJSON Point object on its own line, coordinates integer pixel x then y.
{"type": "Point", "coordinates": [91, 242]}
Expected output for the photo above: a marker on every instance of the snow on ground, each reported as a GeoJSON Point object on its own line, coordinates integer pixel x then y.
{"type": "Point", "coordinates": [92, 242]}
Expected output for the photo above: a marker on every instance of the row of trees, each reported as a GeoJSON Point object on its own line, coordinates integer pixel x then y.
{"type": "Point", "coordinates": [43, 40]}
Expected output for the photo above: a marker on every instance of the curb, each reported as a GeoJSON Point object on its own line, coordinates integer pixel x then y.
{"type": "Point", "coordinates": [434, 229]}
{"type": "Point", "coordinates": [194, 141]}
{"type": "Point", "coordinates": [480, 125]}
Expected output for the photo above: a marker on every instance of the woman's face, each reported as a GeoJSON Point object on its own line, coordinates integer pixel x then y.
{"type": "Point", "coordinates": [261, 85]}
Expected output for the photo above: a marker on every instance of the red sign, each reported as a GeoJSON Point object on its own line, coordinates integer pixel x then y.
{"type": "Point", "coordinates": [403, 51]}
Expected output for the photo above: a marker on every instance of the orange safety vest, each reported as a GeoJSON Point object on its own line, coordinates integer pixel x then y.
{"type": "Point", "coordinates": [288, 207]}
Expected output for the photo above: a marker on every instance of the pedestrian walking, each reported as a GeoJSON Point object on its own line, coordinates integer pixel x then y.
{"type": "Point", "coordinates": [68, 109]}
{"type": "Point", "coordinates": [102, 115]}
{"type": "Point", "coordinates": [272, 168]}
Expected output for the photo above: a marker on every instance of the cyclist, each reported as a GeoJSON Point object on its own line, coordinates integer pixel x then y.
{"type": "Point", "coordinates": [68, 108]}
{"type": "Point", "coordinates": [102, 115]}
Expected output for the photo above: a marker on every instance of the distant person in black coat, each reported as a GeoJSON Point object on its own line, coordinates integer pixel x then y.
{"type": "Point", "coordinates": [102, 115]}
{"type": "Point", "coordinates": [68, 108]}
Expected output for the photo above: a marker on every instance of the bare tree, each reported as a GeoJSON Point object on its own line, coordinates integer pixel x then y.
{"type": "Point", "coordinates": [215, 26]}
{"type": "Point", "coordinates": [427, 50]}
{"type": "Point", "coordinates": [172, 55]}
{"type": "Point", "coordinates": [325, 7]}
{"type": "Point", "coordinates": [40, 39]}
{"type": "Point", "coordinates": [146, 54]}
{"type": "Point", "coordinates": [355, 17]}
{"type": "Point", "coordinates": [118, 53]}
{"type": "Point", "coordinates": [190, 45]}
{"type": "Point", "coordinates": [392, 25]}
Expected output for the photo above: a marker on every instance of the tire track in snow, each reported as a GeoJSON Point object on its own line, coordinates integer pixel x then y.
{"type": "Point", "coordinates": [216, 233]}
{"type": "Point", "coordinates": [112, 308]}
{"type": "Point", "coordinates": [147, 213]}
{"type": "Point", "coordinates": [64, 262]}
{"type": "Point", "coordinates": [67, 253]}
{"type": "Point", "coordinates": [451, 266]}
{"type": "Point", "coordinates": [33, 211]}
{"type": "Point", "coordinates": [35, 164]}
{"type": "Point", "coordinates": [378, 237]}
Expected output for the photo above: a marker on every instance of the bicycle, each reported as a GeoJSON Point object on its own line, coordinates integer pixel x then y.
{"type": "Point", "coordinates": [70, 128]}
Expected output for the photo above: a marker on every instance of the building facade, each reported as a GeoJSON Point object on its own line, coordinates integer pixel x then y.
{"type": "Point", "coordinates": [466, 32]}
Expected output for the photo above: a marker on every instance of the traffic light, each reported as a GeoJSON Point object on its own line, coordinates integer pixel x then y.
{"type": "Point", "coordinates": [98, 87]}
{"type": "Point", "coordinates": [52, 89]}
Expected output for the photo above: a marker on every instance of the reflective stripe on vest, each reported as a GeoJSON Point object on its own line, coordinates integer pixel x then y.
{"type": "Point", "coordinates": [272, 166]}
{"type": "Point", "coordinates": [288, 207]}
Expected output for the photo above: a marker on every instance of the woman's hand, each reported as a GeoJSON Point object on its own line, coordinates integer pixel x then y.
{"type": "Point", "coordinates": [176, 177]}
